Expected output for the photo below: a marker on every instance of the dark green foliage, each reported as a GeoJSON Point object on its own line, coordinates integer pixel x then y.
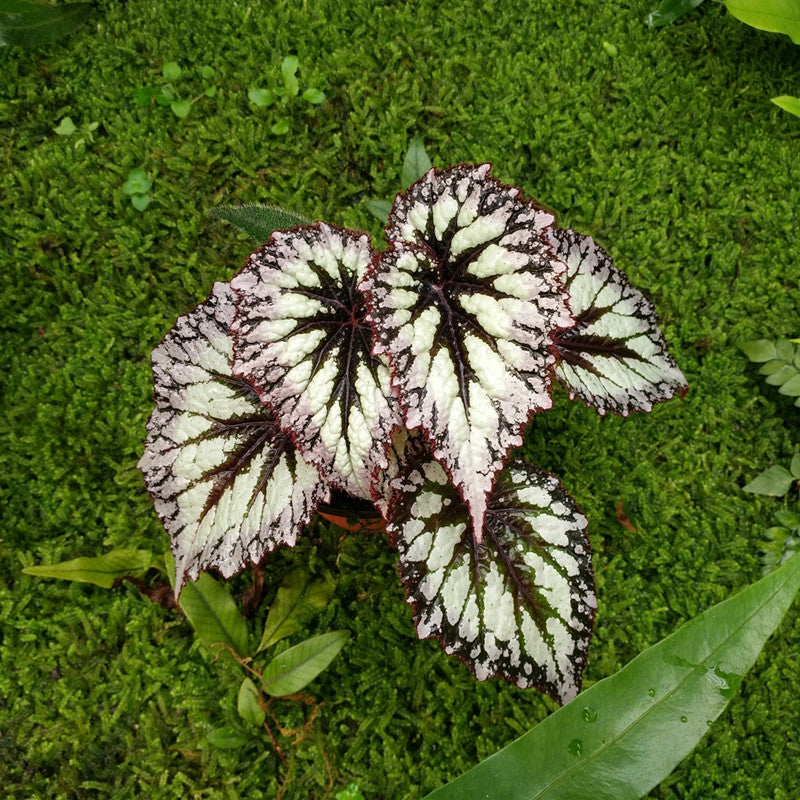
{"type": "Point", "coordinates": [624, 735]}
{"type": "Point", "coordinates": [667, 153]}
{"type": "Point", "coordinates": [670, 10]}
{"type": "Point", "coordinates": [27, 24]}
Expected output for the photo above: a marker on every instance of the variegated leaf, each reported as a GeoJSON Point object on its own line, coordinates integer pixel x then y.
{"type": "Point", "coordinates": [615, 357]}
{"type": "Point", "coordinates": [228, 485]}
{"type": "Point", "coordinates": [406, 448]}
{"type": "Point", "coordinates": [465, 304]}
{"type": "Point", "coordinates": [518, 605]}
{"type": "Point", "coordinates": [302, 342]}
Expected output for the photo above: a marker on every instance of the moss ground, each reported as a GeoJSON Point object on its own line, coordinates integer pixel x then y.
{"type": "Point", "coordinates": [661, 143]}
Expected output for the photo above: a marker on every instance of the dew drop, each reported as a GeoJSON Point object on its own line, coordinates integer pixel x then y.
{"type": "Point", "coordinates": [575, 747]}
{"type": "Point", "coordinates": [651, 692]}
{"type": "Point", "coordinates": [684, 719]}
{"type": "Point", "coordinates": [589, 714]}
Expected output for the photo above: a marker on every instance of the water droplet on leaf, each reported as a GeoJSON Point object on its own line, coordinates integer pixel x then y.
{"type": "Point", "coordinates": [589, 714]}
{"type": "Point", "coordinates": [575, 747]}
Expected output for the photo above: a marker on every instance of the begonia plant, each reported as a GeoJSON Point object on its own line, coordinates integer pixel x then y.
{"type": "Point", "coordinates": [405, 378]}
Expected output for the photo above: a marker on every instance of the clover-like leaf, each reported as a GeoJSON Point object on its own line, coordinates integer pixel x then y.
{"type": "Point", "coordinates": [465, 304]}
{"type": "Point", "coordinates": [228, 484]}
{"type": "Point", "coordinates": [517, 605]}
{"type": "Point", "coordinates": [614, 358]}
{"type": "Point", "coordinates": [302, 341]}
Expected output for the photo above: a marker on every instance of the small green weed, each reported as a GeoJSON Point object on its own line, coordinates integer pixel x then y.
{"type": "Point", "coordinates": [169, 93]}
{"type": "Point", "coordinates": [86, 132]}
{"type": "Point", "coordinates": [781, 367]}
{"type": "Point", "coordinates": [137, 187]}
{"type": "Point", "coordinates": [283, 95]}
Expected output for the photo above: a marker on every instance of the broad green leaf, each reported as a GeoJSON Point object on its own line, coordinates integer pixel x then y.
{"type": "Point", "coordinates": [775, 482]}
{"type": "Point", "coordinates": [137, 182]}
{"type": "Point", "coordinates": [140, 201]}
{"type": "Point", "coordinates": [379, 208]}
{"type": "Point", "coordinates": [781, 376]}
{"type": "Point", "coordinates": [215, 616]}
{"type": "Point", "coordinates": [289, 66]}
{"type": "Point", "coordinates": [66, 127]}
{"type": "Point", "coordinates": [771, 367]}
{"type": "Point", "coordinates": [248, 704]}
{"type": "Point", "coordinates": [296, 667]}
{"type": "Point", "coordinates": [226, 738]}
{"type": "Point", "coordinates": [171, 71]}
{"type": "Point", "coordinates": [296, 601]}
{"type": "Point", "coordinates": [619, 739]}
{"type": "Point", "coordinates": [792, 386]}
{"type": "Point", "coordinates": [207, 72]}
{"type": "Point", "coordinates": [260, 97]}
{"type": "Point", "coordinates": [280, 128]}
{"type": "Point", "coordinates": [31, 24]}
{"type": "Point", "coordinates": [99, 570]}
{"type": "Point", "coordinates": [670, 10]}
{"type": "Point", "coordinates": [350, 792]}
{"type": "Point", "coordinates": [785, 350]}
{"type": "Point", "coordinates": [259, 222]}
{"type": "Point", "coordinates": [776, 16]}
{"type": "Point", "coordinates": [144, 95]}
{"type": "Point", "coordinates": [794, 467]}
{"type": "Point", "coordinates": [211, 91]}
{"type": "Point", "coordinates": [314, 96]}
{"type": "Point", "coordinates": [788, 103]}
{"type": "Point", "coordinates": [416, 163]}
{"type": "Point", "coordinates": [759, 350]}
{"type": "Point", "coordinates": [181, 108]}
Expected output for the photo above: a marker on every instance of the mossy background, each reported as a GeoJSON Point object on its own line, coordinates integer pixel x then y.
{"type": "Point", "coordinates": [660, 143]}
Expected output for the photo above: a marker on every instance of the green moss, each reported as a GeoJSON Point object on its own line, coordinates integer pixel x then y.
{"type": "Point", "coordinates": [670, 153]}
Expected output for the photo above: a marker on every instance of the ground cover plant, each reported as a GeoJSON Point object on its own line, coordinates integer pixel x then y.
{"type": "Point", "coordinates": [668, 154]}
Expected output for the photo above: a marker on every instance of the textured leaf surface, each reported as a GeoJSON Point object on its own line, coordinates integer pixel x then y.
{"type": "Point", "coordinates": [777, 16]}
{"type": "Point", "coordinates": [228, 485]}
{"type": "Point", "coordinates": [626, 733]}
{"type": "Point", "coordinates": [465, 304]}
{"type": "Point", "coordinates": [215, 617]}
{"type": "Point", "coordinates": [99, 570]}
{"type": "Point", "coordinates": [259, 222]}
{"type": "Point", "coordinates": [297, 600]}
{"type": "Point", "coordinates": [302, 341]}
{"type": "Point", "coordinates": [614, 358]}
{"type": "Point", "coordinates": [248, 703]}
{"type": "Point", "coordinates": [519, 605]}
{"type": "Point", "coordinates": [32, 24]}
{"type": "Point", "coordinates": [296, 667]}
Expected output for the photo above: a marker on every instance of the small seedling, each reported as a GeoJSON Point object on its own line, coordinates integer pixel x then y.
{"type": "Point", "coordinates": [137, 187]}
{"type": "Point", "coordinates": [169, 95]}
{"type": "Point", "coordinates": [68, 128]}
{"type": "Point", "coordinates": [415, 165]}
{"type": "Point", "coordinates": [262, 98]}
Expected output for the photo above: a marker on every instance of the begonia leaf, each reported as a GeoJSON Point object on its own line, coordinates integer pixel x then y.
{"type": "Point", "coordinates": [228, 485]}
{"type": "Point", "coordinates": [614, 358]}
{"type": "Point", "coordinates": [519, 604]}
{"type": "Point", "coordinates": [303, 343]}
{"type": "Point", "coordinates": [465, 303]}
